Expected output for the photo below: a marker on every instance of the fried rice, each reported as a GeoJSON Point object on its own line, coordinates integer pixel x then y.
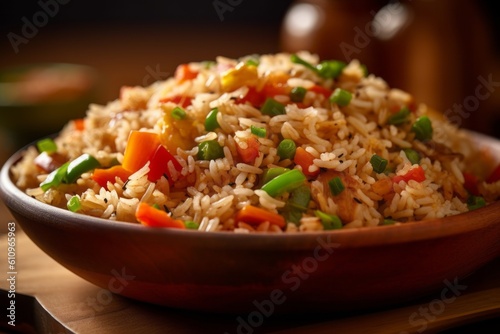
{"type": "Point", "coordinates": [365, 154]}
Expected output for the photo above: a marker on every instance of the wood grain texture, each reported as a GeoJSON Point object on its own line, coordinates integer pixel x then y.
{"type": "Point", "coordinates": [84, 308]}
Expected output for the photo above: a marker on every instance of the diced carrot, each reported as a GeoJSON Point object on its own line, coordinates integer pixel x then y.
{"type": "Point", "coordinates": [150, 216]}
{"type": "Point", "coordinates": [251, 152]}
{"type": "Point", "coordinates": [305, 159]}
{"type": "Point", "coordinates": [79, 124]}
{"type": "Point", "coordinates": [140, 148]}
{"type": "Point", "coordinates": [254, 216]}
{"type": "Point", "coordinates": [103, 176]}
{"type": "Point", "coordinates": [184, 72]}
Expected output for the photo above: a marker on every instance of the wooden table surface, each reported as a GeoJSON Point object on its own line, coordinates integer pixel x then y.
{"type": "Point", "coordinates": [65, 303]}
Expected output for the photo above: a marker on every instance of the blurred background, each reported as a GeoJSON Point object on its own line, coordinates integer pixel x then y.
{"type": "Point", "coordinates": [444, 52]}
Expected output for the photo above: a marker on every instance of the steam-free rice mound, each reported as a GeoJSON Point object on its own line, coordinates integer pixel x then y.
{"type": "Point", "coordinates": [271, 143]}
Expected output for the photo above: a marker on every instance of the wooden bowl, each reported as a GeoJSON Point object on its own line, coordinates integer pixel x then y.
{"type": "Point", "coordinates": [342, 270]}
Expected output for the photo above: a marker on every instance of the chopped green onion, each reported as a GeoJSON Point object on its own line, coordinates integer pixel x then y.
{"type": "Point", "coordinates": [378, 163]}
{"type": "Point", "coordinates": [330, 69]}
{"type": "Point", "coordinates": [422, 128]}
{"type": "Point", "coordinates": [293, 215]}
{"type": "Point", "coordinates": [156, 206]}
{"type": "Point", "coordinates": [46, 145]}
{"type": "Point", "coordinates": [330, 222]}
{"type": "Point", "coordinates": [412, 155]}
{"type": "Point", "coordinates": [297, 204]}
{"type": "Point", "coordinates": [388, 222]}
{"type": "Point", "coordinates": [300, 198]}
{"type": "Point", "coordinates": [211, 120]}
{"type": "Point", "coordinates": [55, 178]}
{"type": "Point", "coordinates": [252, 62]}
{"type": "Point", "coordinates": [74, 204]}
{"type": "Point", "coordinates": [178, 113]}
{"type": "Point", "coordinates": [400, 117]}
{"type": "Point", "coordinates": [297, 60]}
{"type": "Point", "coordinates": [210, 150]}
{"type": "Point", "coordinates": [341, 97]}
{"type": "Point", "coordinates": [259, 132]}
{"type": "Point", "coordinates": [286, 149]}
{"type": "Point", "coordinates": [207, 64]}
{"type": "Point", "coordinates": [297, 94]}
{"type": "Point", "coordinates": [475, 202]}
{"type": "Point", "coordinates": [80, 165]}
{"type": "Point", "coordinates": [284, 183]}
{"type": "Point", "coordinates": [271, 173]}
{"type": "Point", "coordinates": [273, 108]}
{"type": "Point", "coordinates": [191, 225]}
{"type": "Point", "coordinates": [336, 185]}
{"type": "Point", "coordinates": [70, 171]}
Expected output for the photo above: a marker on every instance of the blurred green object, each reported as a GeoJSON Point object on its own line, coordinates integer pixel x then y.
{"type": "Point", "coordinates": [39, 99]}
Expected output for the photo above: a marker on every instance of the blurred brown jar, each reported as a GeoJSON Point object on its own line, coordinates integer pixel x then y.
{"type": "Point", "coordinates": [334, 29]}
{"type": "Point", "coordinates": [435, 49]}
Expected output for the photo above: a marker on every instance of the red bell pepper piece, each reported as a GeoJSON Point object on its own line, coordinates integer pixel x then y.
{"type": "Point", "coordinates": [470, 183]}
{"type": "Point", "coordinates": [79, 124]}
{"type": "Point", "coordinates": [253, 97]}
{"type": "Point", "coordinates": [184, 72]}
{"type": "Point", "coordinates": [251, 152]}
{"type": "Point", "coordinates": [103, 176]}
{"type": "Point", "coordinates": [494, 176]}
{"type": "Point", "coordinates": [183, 101]}
{"type": "Point", "coordinates": [416, 174]}
{"type": "Point", "coordinates": [321, 90]}
{"type": "Point", "coordinates": [158, 165]}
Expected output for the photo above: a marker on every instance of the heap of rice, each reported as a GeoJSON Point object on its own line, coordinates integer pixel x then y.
{"type": "Point", "coordinates": [341, 140]}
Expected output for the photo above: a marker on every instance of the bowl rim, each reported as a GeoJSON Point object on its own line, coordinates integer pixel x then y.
{"type": "Point", "coordinates": [19, 202]}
